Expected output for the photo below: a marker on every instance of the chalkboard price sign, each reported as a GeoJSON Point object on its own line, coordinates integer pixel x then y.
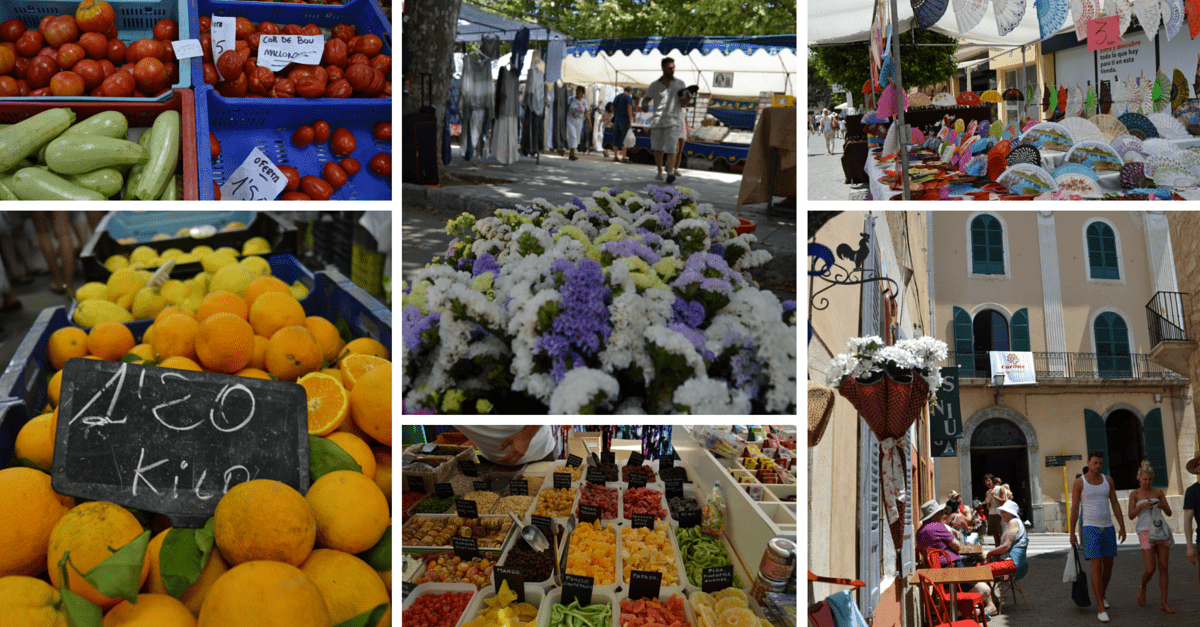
{"type": "Point", "coordinates": [643, 520]}
{"type": "Point", "coordinates": [573, 461]}
{"type": "Point", "coordinates": [716, 578]}
{"type": "Point", "coordinates": [417, 486]}
{"type": "Point", "coordinates": [589, 513]}
{"type": "Point", "coordinates": [174, 441]}
{"type": "Point", "coordinates": [596, 477]}
{"type": "Point", "coordinates": [444, 490]}
{"type": "Point", "coordinates": [608, 457]}
{"type": "Point", "coordinates": [666, 461]}
{"type": "Point", "coordinates": [636, 459]}
{"type": "Point", "coordinates": [637, 480]}
{"type": "Point", "coordinates": [644, 584]}
{"type": "Point", "coordinates": [465, 548]}
{"type": "Point", "coordinates": [468, 467]}
{"type": "Point", "coordinates": [577, 587]}
{"type": "Point", "coordinates": [518, 487]}
{"type": "Point", "coordinates": [545, 523]}
{"type": "Point", "coordinates": [467, 509]}
{"type": "Point", "coordinates": [674, 487]}
{"type": "Point", "coordinates": [482, 486]}
{"type": "Point", "coordinates": [562, 480]}
{"type": "Point", "coordinates": [516, 581]}
{"type": "Point", "coordinates": [688, 518]}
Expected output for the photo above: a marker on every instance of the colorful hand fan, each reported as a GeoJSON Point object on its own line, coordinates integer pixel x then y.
{"type": "Point", "coordinates": [968, 13]}
{"type": "Point", "coordinates": [1028, 124]}
{"type": "Point", "coordinates": [1082, 128]}
{"type": "Point", "coordinates": [1049, 136]}
{"type": "Point", "coordinates": [1011, 131]}
{"type": "Point", "coordinates": [973, 128]}
{"type": "Point", "coordinates": [1008, 14]}
{"type": "Point", "coordinates": [1196, 82]}
{"type": "Point", "coordinates": [1158, 146]}
{"type": "Point", "coordinates": [1169, 171]}
{"type": "Point", "coordinates": [1149, 16]}
{"type": "Point", "coordinates": [1096, 154]}
{"type": "Point", "coordinates": [1084, 10]}
{"type": "Point", "coordinates": [1074, 102]}
{"type": "Point", "coordinates": [1138, 133]}
{"type": "Point", "coordinates": [1132, 175]}
{"type": "Point", "coordinates": [1051, 16]}
{"type": "Point", "coordinates": [917, 137]}
{"type": "Point", "coordinates": [984, 127]}
{"type": "Point", "coordinates": [1090, 101]}
{"type": "Point", "coordinates": [1075, 168]}
{"type": "Point", "coordinates": [1139, 122]}
{"type": "Point", "coordinates": [968, 98]}
{"type": "Point", "coordinates": [1013, 94]}
{"type": "Point", "coordinates": [887, 71]}
{"type": "Point", "coordinates": [996, 130]}
{"type": "Point", "coordinates": [1062, 99]}
{"type": "Point", "coordinates": [1193, 18]}
{"type": "Point", "coordinates": [1172, 15]}
{"type": "Point", "coordinates": [1120, 97]}
{"type": "Point", "coordinates": [943, 99]}
{"type": "Point", "coordinates": [960, 127]}
{"type": "Point", "coordinates": [996, 165]}
{"type": "Point", "coordinates": [1179, 87]}
{"type": "Point", "coordinates": [928, 12]}
{"type": "Point", "coordinates": [1025, 153]}
{"type": "Point", "coordinates": [1109, 126]}
{"type": "Point", "coordinates": [977, 166]}
{"type": "Point", "coordinates": [920, 100]}
{"type": "Point", "coordinates": [1162, 92]}
{"type": "Point", "coordinates": [1049, 99]}
{"type": "Point", "coordinates": [1167, 126]}
{"type": "Point", "coordinates": [1122, 9]}
{"type": "Point", "coordinates": [1002, 148]}
{"type": "Point", "coordinates": [887, 102]}
{"type": "Point", "coordinates": [1026, 179]}
{"type": "Point", "coordinates": [991, 96]}
{"type": "Point", "coordinates": [1077, 184]}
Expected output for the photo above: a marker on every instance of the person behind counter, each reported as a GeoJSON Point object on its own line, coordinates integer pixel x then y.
{"type": "Point", "coordinates": [511, 445]}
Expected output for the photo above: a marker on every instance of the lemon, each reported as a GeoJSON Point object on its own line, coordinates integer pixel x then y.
{"type": "Point", "coordinates": [299, 291]}
{"type": "Point", "coordinates": [228, 249]}
{"type": "Point", "coordinates": [116, 262]}
{"type": "Point", "coordinates": [89, 313]}
{"type": "Point", "coordinates": [232, 278]}
{"type": "Point", "coordinates": [143, 254]}
{"type": "Point", "coordinates": [201, 250]}
{"type": "Point", "coordinates": [175, 291]}
{"type": "Point", "coordinates": [170, 253]}
{"type": "Point", "coordinates": [256, 265]}
{"type": "Point", "coordinates": [125, 282]}
{"type": "Point", "coordinates": [92, 290]}
{"type": "Point", "coordinates": [216, 260]}
{"type": "Point", "coordinates": [256, 246]}
{"type": "Point", "coordinates": [147, 303]}
{"type": "Point", "coordinates": [184, 232]}
{"type": "Point", "coordinates": [192, 303]}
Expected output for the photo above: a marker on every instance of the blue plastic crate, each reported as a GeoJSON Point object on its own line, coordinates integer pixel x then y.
{"type": "Point", "coordinates": [135, 20]}
{"type": "Point", "coordinates": [364, 15]}
{"type": "Point", "coordinates": [268, 124]}
{"type": "Point", "coordinates": [13, 416]}
{"type": "Point", "coordinates": [143, 226]}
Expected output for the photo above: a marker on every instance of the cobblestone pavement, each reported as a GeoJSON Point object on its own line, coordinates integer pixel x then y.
{"type": "Point", "coordinates": [825, 176]}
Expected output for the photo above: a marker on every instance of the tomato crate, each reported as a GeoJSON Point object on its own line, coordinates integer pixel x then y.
{"type": "Point", "coordinates": [277, 230]}
{"type": "Point", "coordinates": [140, 114]}
{"type": "Point", "coordinates": [364, 15]}
{"type": "Point", "coordinates": [25, 380]}
{"type": "Point", "coordinates": [268, 124]}
{"type": "Point", "coordinates": [144, 226]}
{"type": "Point", "coordinates": [135, 20]}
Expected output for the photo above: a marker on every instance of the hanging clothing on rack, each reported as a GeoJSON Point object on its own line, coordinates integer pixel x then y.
{"type": "Point", "coordinates": [519, 46]}
{"type": "Point", "coordinates": [562, 101]}
{"type": "Point", "coordinates": [533, 133]}
{"type": "Point", "coordinates": [450, 118]}
{"type": "Point", "coordinates": [505, 136]}
{"type": "Point", "coordinates": [490, 47]}
{"type": "Point", "coordinates": [556, 51]}
{"type": "Point", "coordinates": [475, 105]}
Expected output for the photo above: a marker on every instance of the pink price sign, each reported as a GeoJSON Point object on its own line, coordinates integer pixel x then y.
{"type": "Point", "coordinates": [1103, 33]}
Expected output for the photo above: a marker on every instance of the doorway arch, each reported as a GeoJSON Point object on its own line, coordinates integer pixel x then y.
{"type": "Point", "coordinates": [1031, 507]}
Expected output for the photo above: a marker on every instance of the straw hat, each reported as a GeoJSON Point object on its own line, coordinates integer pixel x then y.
{"type": "Point", "coordinates": [930, 508]}
{"type": "Point", "coordinates": [954, 494]}
{"type": "Point", "coordinates": [1011, 507]}
{"type": "Point", "coordinates": [820, 408]}
{"type": "Point", "coordinates": [1194, 466]}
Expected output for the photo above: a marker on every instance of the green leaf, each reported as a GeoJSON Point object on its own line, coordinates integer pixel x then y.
{"type": "Point", "coordinates": [366, 619]}
{"type": "Point", "coordinates": [325, 457]}
{"type": "Point", "coordinates": [343, 329]}
{"type": "Point", "coordinates": [130, 358]}
{"type": "Point", "coordinates": [27, 463]}
{"type": "Point", "coordinates": [182, 557]}
{"type": "Point", "coordinates": [120, 574]}
{"type": "Point", "coordinates": [379, 556]}
{"type": "Point", "coordinates": [80, 611]}
{"type": "Point", "coordinates": [206, 536]}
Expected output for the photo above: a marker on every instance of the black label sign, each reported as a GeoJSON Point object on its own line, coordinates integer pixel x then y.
{"type": "Point", "coordinates": [596, 477]}
{"type": "Point", "coordinates": [468, 467]}
{"type": "Point", "coordinates": [666, 461]}
{"type": "Point", "coordinates": [637, 480]}
{"type": "Point", "coordinates": [465, 548]}
{"type": "Point", "coordinates": [516, 581]}
{"type": "Point", "coordinates": [481, 486]}
{"type": "Point", "coordinates": [716, 578]}
{"type": "Point", "coordinates": [643, 520]}
{"type": "Point", "coordinates": [444, 490]}
{"type": "Point", "coordinates": [674, 487]}
{"type": "Point", "coordinates": [688, 518]}
{"type": "Point", "coordinates": [636, 459]}
{"type": "Point", "coordinates": [417, 486]}
{"type": "Point", "coordinates": [589, 513]}
{"type": "Point", "coordinates": [578, 588]}
{"type": "Point", "coordinates": [608, 457]}
{"type": "Point", "coordinates": [644, 584]}
{"type": "Point", "coordinates": [573, 461]}
{"type": "Point", "coordinates": [173, 441]}
{"type": "Point", "coordinates": [518, 487]}
{"type": "Point", "coordinates": [545, 523]}
{"type": "Point", "coordinates": [406, 589]}
{"type": "Point", "coordinates": [562, 480]}
{"type": "Point", "coordinates": [466, 509]}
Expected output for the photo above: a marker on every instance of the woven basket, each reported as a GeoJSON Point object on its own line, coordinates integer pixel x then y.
{"type": "Point", "coordinates": [820, 408]}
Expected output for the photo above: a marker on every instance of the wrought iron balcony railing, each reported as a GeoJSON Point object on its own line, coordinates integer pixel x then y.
{"type": "Point", "coordinates": [1069, 366]}
{"type": "Point", "coordinates": [1164, 315]}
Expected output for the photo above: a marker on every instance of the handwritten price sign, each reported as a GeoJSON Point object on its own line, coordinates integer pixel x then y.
{"type": "Point", "coordinates": [256, 179]}
{"type": "Point", "coordinates": [1103, 33]}
{"type": "Point", "coordinates": [276, 51]}
{"type": "Point", "coordinates": [223, 31]}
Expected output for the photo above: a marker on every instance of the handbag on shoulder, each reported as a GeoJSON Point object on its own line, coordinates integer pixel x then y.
{"type": "Point", "coordinates": [1079, 589]}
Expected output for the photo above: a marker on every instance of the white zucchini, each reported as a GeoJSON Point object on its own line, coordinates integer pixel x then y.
{"type": "Point", "coordinates": [24, 138]}
{"type": "Point", "coordinates": [164, 156]}
{"type": "Point", "coordinates": [38, 184]}
{"type": "Point", "coordinates": [76, 154]}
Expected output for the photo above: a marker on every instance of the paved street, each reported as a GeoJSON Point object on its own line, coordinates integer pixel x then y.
{"type": "Point", "coordinates": [1050, 598]}
{"type": "Point", "coordinates": [825, 175]}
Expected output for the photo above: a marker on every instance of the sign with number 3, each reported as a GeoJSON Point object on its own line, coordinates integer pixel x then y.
{"type": "Point", "coordinates": [1103, 33]}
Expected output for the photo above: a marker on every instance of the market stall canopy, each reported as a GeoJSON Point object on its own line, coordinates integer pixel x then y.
{"type": "Point", "coordinates": [848, 21]}
{"type": "Point", "coordinates": [474, 23]}
{"type": "Point", "coordinates": [755, 64]}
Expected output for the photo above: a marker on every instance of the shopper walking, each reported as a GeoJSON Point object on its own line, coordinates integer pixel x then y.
{"type": "Point", "coordinates": [1191, 503]}
{"type": "Point", "coordinates": [827, 130]}
{"type": "Point", "coordinates": [622, 120]}
{"type": "Point", "coordinates": [1094, 493]}
{"type": "Point", "coordinates": [665, 94]}
{"type": "Point", "coordinates": [1148, 505]}
{"type": "Point", "coordinates": [996, 496]}
{"type": "Point", "coordinates": [61, 263]}
{"type": "Point", "coordinates": [576, 120]}
{"type": "Point", "coordinates": [511, 445]}
{"type": "Point", "coordinates": [684, 102]}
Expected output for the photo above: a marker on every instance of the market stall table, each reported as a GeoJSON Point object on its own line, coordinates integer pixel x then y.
{"type": "Point", "coordinates": [771, 162]}
{"type": "Point", "coordinates": [967, 575]}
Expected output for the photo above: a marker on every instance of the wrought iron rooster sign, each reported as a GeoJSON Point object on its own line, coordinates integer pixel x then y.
{"type": "Point", "coordinates": [859, 257]}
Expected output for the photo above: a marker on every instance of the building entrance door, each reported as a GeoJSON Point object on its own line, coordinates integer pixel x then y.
{"type": "Point", "coordinates": [998, 447]}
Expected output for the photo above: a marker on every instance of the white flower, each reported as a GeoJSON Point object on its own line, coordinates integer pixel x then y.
{"type": "Point", "coordinates": [581, 387]}
{"type": "Point", "coordinates": [702, 395]}
{"type": "Point", "coordinates": [752, 259]}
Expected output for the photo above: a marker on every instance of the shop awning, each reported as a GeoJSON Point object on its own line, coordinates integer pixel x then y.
{"type": "Point", "coordinates": [474, 23]}
{"type": "Point", "coordinates": [847, 21]}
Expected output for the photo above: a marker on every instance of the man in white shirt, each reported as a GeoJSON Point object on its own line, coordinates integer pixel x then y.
{"type": "Point", "coordinates": [511, 445]}
{"type": "Point", "coordinates": [666, 120]}
{"type": "Point", "coordinates": [1095, 493]}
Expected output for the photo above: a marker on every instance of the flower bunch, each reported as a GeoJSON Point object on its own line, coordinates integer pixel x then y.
{"type": "Point", "coordinates": [868, 355]}
{"type": "Point", "coordinates": [615, 303]}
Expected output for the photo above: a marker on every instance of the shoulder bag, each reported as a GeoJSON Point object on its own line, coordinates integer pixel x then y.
{"type": "Point", "coordinates": [1079, 589]}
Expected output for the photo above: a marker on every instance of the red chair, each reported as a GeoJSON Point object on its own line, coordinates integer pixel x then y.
{"type": "Point", "coordinates": [936, 611]}
{"type": "Point", "coordinates": [969, 603]}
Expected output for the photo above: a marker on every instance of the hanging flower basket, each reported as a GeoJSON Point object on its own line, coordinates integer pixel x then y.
{"type": "Point", "coordinates": [889, 403]}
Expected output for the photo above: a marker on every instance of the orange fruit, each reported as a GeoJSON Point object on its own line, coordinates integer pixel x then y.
{"type": "Point", "coordinates": [258, 359]}
{"type": "Point", "coordinates": [350, 586]}
{"type": "Point", "coordinates": [292, 352]}
{"type": "Point", "coordinates": [227, 302]}
{"type": "Point", "coordinates": [348, 426]}
{"type": "Point", "coordinates": [273, 311]}
{"type": "Point", "coordinates": [326, 335]}
{"type": "Point", "coordinates": [368, 346]}
{"type": "Point", "coordinates": [371, 403]}
{"type": "Point", "coordinates": [54, 388]}
{"type": "Point", "coordinates": [350, 510]}
{"type": "Point", "coordinates": [172, 309]}
{"type": "Point", "coordinates": [383, 469]}
{"type": "Point", "coordinates": [30, 602]}
{"type": "Point", "coordinates": [357, 448]}
{"type": "Point", "coordinates": [92, 532]}
{"type": "Point", "coordinates": [262, 285]}
{"type": "Point", "coordinates": [31, 509]}
{"type": "Point", "coordinates": [224, 342]}
{"type": "Point", "coordinates": [66, 343]}
{"type": "Point", "coordinates": [264, 594]}
{"type": "Point", "coordinates": [253, 373]}
{"type": "Point", "coordinates": [263, 519]}
{"type": "Point", "coordinates": [151, 610]}
{"type": "Point", "coordinates": [35, 441]}
{"type": "Point", "coordinates": [145, 351]}
{"type": "Point", "coordinates": [354, 366]}
{"type": "Point", "coordinates": [335, 373]}
{"type": "Point", "coordinates": [328, 402]}
{"type": "Point", "coordinates": [175, 335]}
{"type": "Point", "coordinates": [181, 363]}
{"type": "Point", "coordinates": [110, 340]}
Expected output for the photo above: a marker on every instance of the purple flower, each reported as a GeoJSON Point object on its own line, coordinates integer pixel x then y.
{"type": "Point", "coordinates": [630, 248]}
{"type": "Point", "coordinates": [649, 237]}
{"type": "Point", "coordinates": [693, 336]}
{"type": "Point", "coordinates": [688, 312]}
{"type": "Point", "coordinates": [720, 286]}
{"type": "Point", "coordinates": [789, 305]}
{"type": "Point", "coordinates": [717, 249]}
{"type": "Point", "coordinates": [450, 248]}
{"type": "Point", "coordinates": [713, 229]}
{"type": "Point", "coordinates": [413, 324]}
{"type": "Point", "coordinates": [579, 203]}
{"type": "Point", "coordinates": [582, 325]}
{"type": "Point", "coordinates": [746, 372]}
{"type": "Point", "coordinates": [485, 263]}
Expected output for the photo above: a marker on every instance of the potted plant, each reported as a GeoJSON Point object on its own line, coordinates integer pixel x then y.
{"type": "Point", "coordinates": [888, 384]}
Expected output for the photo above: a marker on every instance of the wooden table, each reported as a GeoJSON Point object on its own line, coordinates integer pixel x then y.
{"type": "Point", "coordinates": [970, 549]}
{"type": "Point", "coordinates": [968, 575]}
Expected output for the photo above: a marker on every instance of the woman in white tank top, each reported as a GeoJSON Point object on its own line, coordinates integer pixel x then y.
{"type": "Point", "coordinates": [1147, 505]}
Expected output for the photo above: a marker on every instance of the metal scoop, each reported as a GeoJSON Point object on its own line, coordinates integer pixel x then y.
{"type": "Point", "coordinates": [532, 535]}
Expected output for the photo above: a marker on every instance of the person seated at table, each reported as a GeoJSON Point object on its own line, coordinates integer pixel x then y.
{"type": "Point", "coordinates": [956, 520]}
{"type": "Point", "coordinates": [934, 534]}
{"type": "Point", "coordinates": [1008, 558]}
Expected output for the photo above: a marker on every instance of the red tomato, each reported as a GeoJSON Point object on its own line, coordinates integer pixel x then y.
{"type": "Point", "coordinates": [69, 55]}
{"type": "Point", "coordinates": [383, 63]}
{"type": "Point", "coordinates": [237, 88]}
{"type": "Point", "coordinates": [311, 30]}
{"type": "Point", "coordinates": [108, 67]}
{"type": "Point", "coordinates": [205, 24]}
{"type": "Point", "coordinates": [316, 188]}
{"type": "Point", "coordinates": [293, 29]}
{"type": "Point", "coordinates": [41, 69]}
{"type": "Point", "coordinates": [343, 142]}
{"type": "Point", "coordinates": [293, 177]}
{"type": "Point", "coordinates": [62, 30]}
{"type": "Point", "coordinates": [94, 44]}
{"type": "Point", "coordinates": [268, 28]}
{"type": "Point", "coordinates": [383, 131]}
{"type": "Point", "coordinates": [243, 27]}
{"type": "Point", "coordinates": [334, 174]}
{"type": "Point", "coordinates": [8, 87]}
{"type": "Point", "coordinates": [284, 88]}
{"type": "Point", "coordinates": [95, 16]}
{"type": "Point", "coordinates": [339, 89]}
{"type": "Point", "coordinates": [151, 75]}
{"type": "Point", "coordinates": [30, 43]}
{"type": "Point", "coordinates": [67, 84]}
{"type": "Point", "coordinates": [369, 45]}
{"type": "Point", "coordinates": [321, 128]}
{"type": "Point", "coordinates": [116, 51]}
{"type": "Point", "coordinates": [303, 136]}
{"type": "Point", "coordinates": [143, 48]}
{"type": "Point", "coordinates": [166, 29]}
{"type": "Point", "coordinates": [21, 68]}
{"type": "Point", "coordinates": [335, 53]}
{"type": "Point", "coordinates": [90, 71]}
{"type": "Point", "coordinates": [8, 60]}
{"type": "Point", "coordinates": [294, 196]}
{"type": "Point", "coordinates": [350, 166]}
{"type": "Point", "coordinates": [210, 74]}
{"type": "Point", "coordinates": [381, 164]}
{"type": "Point", "coordinates": [41, 93]}
{"type": "Point", "coordinates": [360, 76]}
{"type": "Point", "coordinates": [11, 30]}
{"type": "Point", "coordinates": [335, 73]}
{"type": "Point", "coordinates": [343, 32]}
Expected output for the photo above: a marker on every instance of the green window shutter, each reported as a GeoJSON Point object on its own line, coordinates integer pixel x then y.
{"type": "Point", "coordinates": [1102, 252]}
{"type": "Point", "coordinates": [1097, 437]}
{"type": "Point", "coordinates": [995, 246]}
{"type": "Point", "coordinates": [979, 247]}
{"type": "Point", "coordinates": [1156, 450]}
{"type": "Point", "coordinates": [1095, 251]}
{"type": "Point", "coordinates": [1020, 330]}
{"type": "Point", "coordinates": [964, 339]}
{"type": "Point", "coordinates": [987, 245]}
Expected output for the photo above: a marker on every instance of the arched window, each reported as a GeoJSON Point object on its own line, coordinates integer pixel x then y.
{"type": "Point", "coordinates": [1112, 346]}
{"type": "Point", "coordinates": [1125, 443]}
{"type": "Point", "coordinates": [990, 334]}
{"type": "Point", "coordinates": [989, 330]}
{"type": "Point", "coordinates": [987, 245]}
{"type": "Point", "coordinates": [1102, 252]}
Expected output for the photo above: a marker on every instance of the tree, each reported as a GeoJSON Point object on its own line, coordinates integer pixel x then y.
{"type": "Point", "coordinates": [614, 19]}
{"type": "Point", "coordinates": [849, 65]}
{"type": "Point", "coordinates": [432, 28]}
